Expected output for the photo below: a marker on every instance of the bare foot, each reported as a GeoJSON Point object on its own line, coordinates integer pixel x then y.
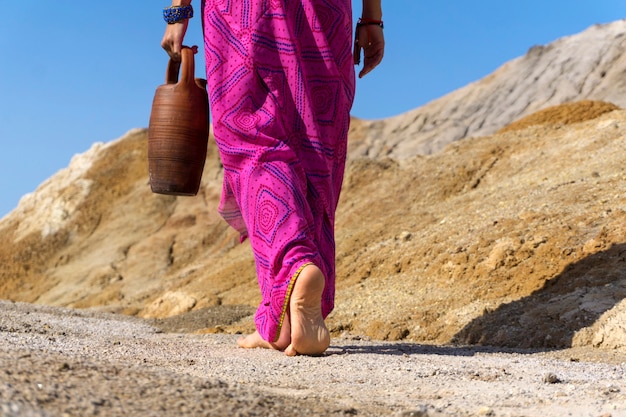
{"type": "Point", "coordinates": [304, 331]}
{"type": "Point", "coordinates": [255, 340]}
{"type": "Point", "coordinates": [309, 334]}
{"type": "Point", "coordinates": [252, 341]}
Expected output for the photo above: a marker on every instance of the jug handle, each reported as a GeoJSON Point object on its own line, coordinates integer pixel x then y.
{"type": "Point", "coordinates": [174, 67]}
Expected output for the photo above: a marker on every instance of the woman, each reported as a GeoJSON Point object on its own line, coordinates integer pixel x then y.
{"type": "Point", "coordinates": [281, 86]}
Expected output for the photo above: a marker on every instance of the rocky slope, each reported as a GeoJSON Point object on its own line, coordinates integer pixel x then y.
{"type": "Point", "coordinates": [514, 238]}
{"type": "Point", "coordinates": [588, 65]}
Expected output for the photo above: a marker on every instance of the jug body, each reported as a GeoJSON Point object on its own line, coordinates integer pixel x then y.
{"type": "Point", "coordinates": [178, 131]}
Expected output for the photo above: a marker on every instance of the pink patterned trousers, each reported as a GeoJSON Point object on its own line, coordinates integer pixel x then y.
{"type": "Point", "coordinates": [281, 86]}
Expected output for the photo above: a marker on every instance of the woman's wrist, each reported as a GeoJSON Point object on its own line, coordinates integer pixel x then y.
{"type": "Point", "coordinates": [177, 14]}
{"type": "Point", "coordinates": [371, 16]}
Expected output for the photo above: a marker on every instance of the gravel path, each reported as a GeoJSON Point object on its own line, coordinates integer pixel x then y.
{"type": "Point", "coordinates": [58, 362]}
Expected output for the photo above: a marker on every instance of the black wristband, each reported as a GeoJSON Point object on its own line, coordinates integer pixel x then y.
{"type": "Point", "coordinates": [367, 22]}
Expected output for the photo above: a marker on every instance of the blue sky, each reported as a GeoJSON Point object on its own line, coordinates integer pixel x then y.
{"type": "Point", "coordinates": [72, 74]}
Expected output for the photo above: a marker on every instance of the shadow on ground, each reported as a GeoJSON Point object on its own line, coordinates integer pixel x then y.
{"type": "Point", "coordinates": [405, 349]}
{"type": "Point", "coordinates": [551, 316]}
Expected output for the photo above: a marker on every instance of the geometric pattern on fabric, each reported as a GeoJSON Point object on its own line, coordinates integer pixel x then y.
{"type": "Point", "coordinates": [271, 213]}
{"type": "Point", "coordinates": [324, 99]}
{"type": "Point", "coordinates": [245, 116]}
{"type": "Point", "coordinates": [281, 81]}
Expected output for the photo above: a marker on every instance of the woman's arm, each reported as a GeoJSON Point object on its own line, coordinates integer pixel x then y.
{"type": "Point", "coordinates": [372, 9]}
{"type": "Point", "coordinates": [172, 40]}
{"type": "Point", "coordinates": [369, 37]}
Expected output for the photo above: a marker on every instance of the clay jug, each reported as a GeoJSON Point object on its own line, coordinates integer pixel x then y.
{"type": "Point", "coordinates": [179, 130]}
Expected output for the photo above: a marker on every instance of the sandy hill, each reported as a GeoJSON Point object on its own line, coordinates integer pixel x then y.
{"type": "Point", "coordinates": [513, 236]}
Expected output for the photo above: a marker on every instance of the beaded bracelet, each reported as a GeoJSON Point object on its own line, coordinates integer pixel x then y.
{"type": "Point", "coordinates": [177, 14]}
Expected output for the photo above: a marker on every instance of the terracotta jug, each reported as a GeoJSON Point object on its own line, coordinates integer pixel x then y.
{"type": "Point", "coordinates": [179, 130]}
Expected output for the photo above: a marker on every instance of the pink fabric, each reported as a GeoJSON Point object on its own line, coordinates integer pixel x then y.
{"type": "Point", "coordinates": [281, 85]}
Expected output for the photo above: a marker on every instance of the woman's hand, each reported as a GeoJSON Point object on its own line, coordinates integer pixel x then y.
{"type": "Point", "coordinates": [172, 40]}
{"type": "Point", "coordinates": [371, 40]}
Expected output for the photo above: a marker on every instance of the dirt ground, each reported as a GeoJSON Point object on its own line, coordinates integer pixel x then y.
{"type": "Point", "coordinates": [57, 362]}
